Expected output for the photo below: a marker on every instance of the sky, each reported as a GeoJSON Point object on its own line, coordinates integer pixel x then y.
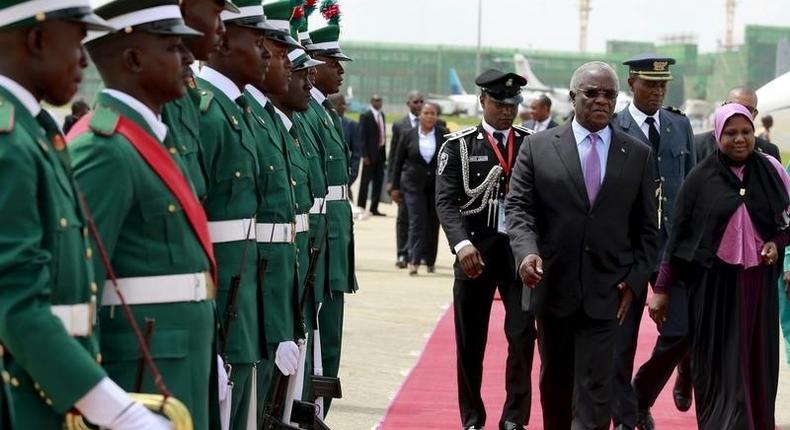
{"type": "Point", "coordinates": [546, 24]}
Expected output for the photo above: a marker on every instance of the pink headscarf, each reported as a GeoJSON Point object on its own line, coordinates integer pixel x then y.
{"type": "Point", "coordinates": [741, 244]}
{"type": "Point", "coordinates": [724, 113]}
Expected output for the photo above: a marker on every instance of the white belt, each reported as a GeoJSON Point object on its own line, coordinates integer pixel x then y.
{"type": "Point", "coordinates": [77, 319]}
{"type": "Point", "coordinates": [337, 192]}
{"type": "Point", "coordinates": [319, 207]}
{"type": "Point", "coordinates": [275, 233]}
{"type": "Point", "coordinates": [186, 287]}
{"type": "Point", "coordinates": [302, 223]}
{"type": "Point", "coordinates": [232, 230]}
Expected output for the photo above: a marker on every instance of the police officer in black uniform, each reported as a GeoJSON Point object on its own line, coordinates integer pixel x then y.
{"type": "Point", "coordinates": [473, 172]}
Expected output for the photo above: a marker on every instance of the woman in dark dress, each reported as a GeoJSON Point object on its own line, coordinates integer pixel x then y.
{"type": "Point", "coordinates": [730, 228]}
{"type": "Point", "coordinates": [414, 179]}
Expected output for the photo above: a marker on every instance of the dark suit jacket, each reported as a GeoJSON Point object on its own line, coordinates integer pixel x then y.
{"type": "Point", "coordinates": [705, 144]}
{"type": "Point", "coordinates": [410, 172]}
{"type": "Point", "coordinates": [351, 135]}
{"type": "Point", "coordinates": [586, 250]}
{"type": "Point", "coordinates": [450, 196]}
{"type": "Point", "coordinates": [369, 135]}
{"type": "Point", "coordinates": [399, 129]}
{"type": "Point", "coordinates": [530, 124]}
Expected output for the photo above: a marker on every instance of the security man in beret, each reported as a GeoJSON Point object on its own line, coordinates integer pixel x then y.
{"type": "Point", "coordinates": [473, 172]}
{"type": "Point", "coordinates": [339, 276]}
{"type": "Point", "coordinates": [153, 227]}
{"type": "Point", "coordinates": [668, 132]}
{"type": "Point", "coordinates": [181, 115]}
{"type": "Point", "coordinates": [47, 287]}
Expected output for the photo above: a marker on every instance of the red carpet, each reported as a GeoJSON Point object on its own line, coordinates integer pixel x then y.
{"type": "Point", "coordinates": [428, 400]}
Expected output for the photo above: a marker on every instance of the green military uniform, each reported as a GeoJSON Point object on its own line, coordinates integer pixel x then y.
{"type": "Point", "coordinates": [182, 117]}
{"type": "Point", "coordinates": [47, 287]}
{"type": "Point", "coordinates": [231, 167]}
{"type": "Point", "coordinates": [340, 277]}
{"type": "Point", "coordinates": [147, 235]}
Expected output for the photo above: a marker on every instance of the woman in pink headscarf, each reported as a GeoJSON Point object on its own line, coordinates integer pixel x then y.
{"type": "Point", "coordinates": [730, 227]}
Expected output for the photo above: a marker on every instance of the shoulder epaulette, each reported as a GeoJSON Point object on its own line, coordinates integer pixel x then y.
{"type": "Point", "coordinates": [523, 129]}
{"type": "Point", "coordinates": [675, 110]}
{"type": "Point", "coordinates": [6, 116]}
{"type": "Point", "coordinates": [104, 121]}
{"type": "Point", "coordinates": [206, 97]}
{"type": "Point", "coordinates": [460, 133]}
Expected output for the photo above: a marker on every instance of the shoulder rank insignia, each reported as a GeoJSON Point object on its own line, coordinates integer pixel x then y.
{"type": "Point", "coordinates": [6, 116]}
{"type": "Point", "coordinates": [206, 97]}
{"type": "Point", "coordinates": [523, 129]}
{"type": "Point", "coordinates": [460, 133]}
{"type": "Point", "coordinates": [674, 110]}
{"type": "Point", "coordinates": [104, 121]}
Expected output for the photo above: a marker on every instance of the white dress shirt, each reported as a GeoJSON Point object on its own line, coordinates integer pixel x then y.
{"type": "Point", "coordinates": [220, 81]}
{"type": "Point", "coordinates": [284, 118]}
{"type": "Point", "coordinates": [414, 120]}
{"type": "Point", "coordinates": [153, 120]}
{"type": "Point", "coordinates": [542, 125]}
{"type": "Point", "coordinates": [427, 144]}
{"type": "Point", "coordinates": [640, 118]}
{"type": "Point", "coordinates": [583, 144]}
{"type": "Point", "coordinates": [257, 95]}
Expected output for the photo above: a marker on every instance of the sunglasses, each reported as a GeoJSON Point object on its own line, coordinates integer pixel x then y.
{"type": "Point", "coordinates": [594, 94]}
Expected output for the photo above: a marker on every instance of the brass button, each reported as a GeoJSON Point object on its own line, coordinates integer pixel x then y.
{"type": "Point", "coordinates": [42, 394]}
{"type": "Point", "coordinates": [94, 288]}
{"type": "Point", "coordinates": [2, 351]}
{"type": "Point", "coordinates": [171, 208]}
{"type": "Point", "coordinates": [48, 402]}
{"type": "Point", "coordinates": [238, 174]}
{"type": "Point", "coordinates": [36, 386]}
{"type": "Point", "coordinates": [271, 167]}
{"type": "Point", "coordinates": [173, 150]}
{"type": "Point", "coordinates": [6, 376]}
{"type": "Point", "coordinates": [98, 357]}
{"type": "Point", "coordinates": [85, 232]}
{"type": "Point", "coordinates": [63, 222]}
{"type": "Point", "coordinates": [293, 182]}
{"type": "Point", "coordinates": [14, 382]}
{"type": "Point", "coordinates": [89, 252]}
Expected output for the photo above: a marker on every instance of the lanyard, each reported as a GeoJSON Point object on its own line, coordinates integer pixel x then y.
{"type": "Point", "coordinates": [506, 166]}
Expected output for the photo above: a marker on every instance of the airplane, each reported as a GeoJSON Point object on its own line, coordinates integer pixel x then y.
{"type": "Point", "coordinates": [774, 99]}
{"type": "Point", "coordinates": [459, 102]}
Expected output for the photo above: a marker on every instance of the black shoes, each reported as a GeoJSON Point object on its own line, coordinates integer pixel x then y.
{"type": "Point", "coordinates": [401, 262]}
{"type": "Point", "coordinates": [509, 425]}
{"type": "Point", "coordinates": [644, 420]}
{"type": "Point", "coordinates": [377, 213]}
{"type": "Point", "coordinates": [681, 393]}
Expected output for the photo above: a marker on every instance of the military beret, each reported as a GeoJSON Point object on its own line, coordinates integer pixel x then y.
{"type": "Point", "coordinates": [26, 13]}
{"type": "Point", "coordinates": [650, 66]}
{"type": "Point", "coordinates": [502, 87]}
{"type": "Point", "coordinates": [147, 16]}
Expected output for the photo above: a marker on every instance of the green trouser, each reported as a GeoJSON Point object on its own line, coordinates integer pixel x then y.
{"type": "Point", "coordinates": [241, 375]}
{"type": "Point", "coordinates": [331, 322]}
{"type": "Point", "coordinates": [266, 369]}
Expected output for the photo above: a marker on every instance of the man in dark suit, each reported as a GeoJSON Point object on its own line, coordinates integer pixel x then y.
{"type": "Point", "coordinates": [372, 136]}
{"type": "Point", "coordinates": [582, 223]}
{"type": "Point", "coordinates": [668, 132]}
{"type": "Point", "coordinates": [414, 101]}
{"type": "Point", "coordinates": [472, 175]}
{"type": "Point", "coordinates": [540, 109]}
{"type": "Point", "coordinates": [351, 136]}
{"type": "Point", "coordinates": [705, 143]}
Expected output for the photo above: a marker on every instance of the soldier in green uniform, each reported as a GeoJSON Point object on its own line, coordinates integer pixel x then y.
{"type": "Point", "coordinates": [325, 125]}
{"type": "Point", "coordinates": [277, 225]}
{"type": "Point", "coordinates": [181, 115]}
{"type": "Point", "coordinates": [309, 177]}
{"type": "Point", "coordinates": [47, 285]}
{"type": "Point", "coordinates": [154, 229]}
{"type": "Point", "coordinates": [230, 164]}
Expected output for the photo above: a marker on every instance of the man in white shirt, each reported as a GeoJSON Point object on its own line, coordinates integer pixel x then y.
{"type": "Point", "coordinates": [373, 135]}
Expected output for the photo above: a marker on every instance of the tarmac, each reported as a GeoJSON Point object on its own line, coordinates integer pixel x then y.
{"type": "Point", "coordinates": [389, 319]}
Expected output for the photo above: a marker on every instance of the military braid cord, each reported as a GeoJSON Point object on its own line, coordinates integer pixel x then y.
{"type": "Point", "coordinates": [486, 188]}
{"type": "Point", "coordinates": [235, 284]}
{"type": "Point", "coordinates": [127, 311]}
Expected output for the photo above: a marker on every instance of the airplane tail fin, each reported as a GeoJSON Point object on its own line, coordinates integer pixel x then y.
{"type": "Point", "coordinates": [523, 69]}
{"type": "Point", "coordinates": [455, 83]}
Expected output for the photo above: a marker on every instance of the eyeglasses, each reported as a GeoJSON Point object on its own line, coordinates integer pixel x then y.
{"type": "Point", "coordinates": [418, 101]}
{"type": "Point", "coordinates": [594, 94]}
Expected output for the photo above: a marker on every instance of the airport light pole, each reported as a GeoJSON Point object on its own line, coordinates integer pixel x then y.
{"type": "Point", "coordinates": [479, 35]}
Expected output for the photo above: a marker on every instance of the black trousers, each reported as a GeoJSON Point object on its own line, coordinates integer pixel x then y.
{"type": "Point", "coordinates": [373, 172]}
{"type": "Point", "coordinates": [624, 405]}
{"type": "Point", "coordinates": [402, 231]}
{"type": "Point", "coordinates": [650, 379]}
{"type": "Point", "coordinates": [472, 305]}
{"type": "Point", "coordinates": [576, 371]}
{"type": "Point", "coordinates": [423, 226]}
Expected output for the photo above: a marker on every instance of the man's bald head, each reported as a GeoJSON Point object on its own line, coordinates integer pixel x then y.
{"type": "Point", "coordinates": [744, 96]}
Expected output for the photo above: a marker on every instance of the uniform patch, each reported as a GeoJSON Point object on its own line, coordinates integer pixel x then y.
{"type": "Point", "coordinates": [478, 158]}
{"type": "Point", "coordinates": [443, 159]}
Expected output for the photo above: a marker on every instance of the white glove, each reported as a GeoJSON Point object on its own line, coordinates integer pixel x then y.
{"type": "Point", "coordinates": [287, 357]}
{"type": "Point", "coordinates": [137, 417]}
{"type": "Point", "coordinates": [222, 379]}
